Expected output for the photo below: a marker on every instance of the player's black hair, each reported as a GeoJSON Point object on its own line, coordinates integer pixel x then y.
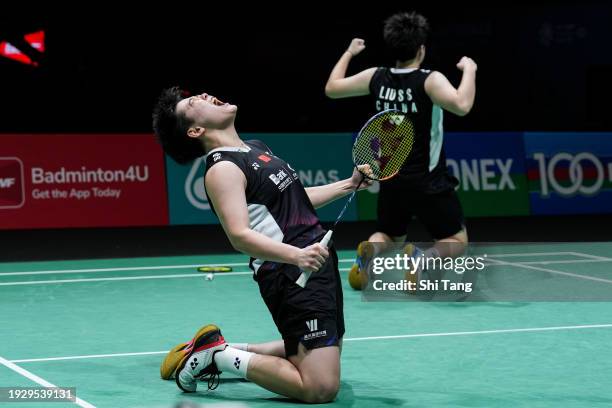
{"type": "Point", "coordinates": [171, 128]}
{"type": "Point", "coordinates": [404, 33]}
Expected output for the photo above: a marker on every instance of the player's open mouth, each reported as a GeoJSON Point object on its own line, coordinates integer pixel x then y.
{"type": "Point", "coordinates": [217, 102]}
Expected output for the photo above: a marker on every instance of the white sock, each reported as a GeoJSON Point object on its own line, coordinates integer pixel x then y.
{"type": "Point", "coordinates": [240, 346]}
{"type": "Point", "coordinates": [233, 361]}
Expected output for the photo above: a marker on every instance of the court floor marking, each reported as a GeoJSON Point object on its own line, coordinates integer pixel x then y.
{"type": "Point", "coordinates": [553, 271]}
{"type": "Point", "coordinates": [591, 258]}
{"type": "Point", "coordinates": [199, 275]}
{"type": "Point", "coordinates": [516, 254]}
{"type": "Point", "coordinates": [41, 381]}
{"type": "Point", "coordinates": [162, 267]}
{"type": "Point", "coordinates": [393, 337]}
{"type": "Point", "coordinates": [121, 278]}
{"type": "Point", "coordinates": [569, 261]}
{"type": "Point", "coordinates": [131, 268]}
{"type": "Point", "coordinates": [131, 278]}
{"type": "Point", "coordinates": [603, 258]}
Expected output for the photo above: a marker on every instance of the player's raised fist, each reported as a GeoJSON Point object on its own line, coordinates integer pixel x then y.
{"type": "Point", "coordinates": [467, 63]}
{"type": "Point", "coordinates": [357, 45]}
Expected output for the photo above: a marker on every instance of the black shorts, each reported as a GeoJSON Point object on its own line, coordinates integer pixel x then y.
{"type": "Point", "coordinates": [397, 203]}
{"type": "Point", "coordinates": [314, 315]}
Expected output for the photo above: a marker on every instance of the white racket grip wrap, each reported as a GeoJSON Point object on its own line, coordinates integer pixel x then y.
{"type": "Point", "coordinates": [306, 274]}
{"type": "Point", "coordinates": [326, 238]}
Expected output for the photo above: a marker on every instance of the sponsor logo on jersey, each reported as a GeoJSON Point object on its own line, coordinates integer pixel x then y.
{"type": "Point", "coordinates": [278, 177]}
{"type": "Point", "coordinates": [313, 324]}
{"type": "Point", "coordinates": [281, 179]}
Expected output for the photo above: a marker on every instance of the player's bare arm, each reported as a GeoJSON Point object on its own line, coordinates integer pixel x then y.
{"type": "Point", "coordinates": [225, 184]}
{"type": "Point", "coordinates": [323, 195]}
{"type": "Point", "coordinates": [340, 86]}
{"type": "Point", "coordinates": [460, 100]}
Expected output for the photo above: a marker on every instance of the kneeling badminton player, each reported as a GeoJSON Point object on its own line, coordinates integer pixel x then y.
{"type": "Point", "coordinates": [266, 213]}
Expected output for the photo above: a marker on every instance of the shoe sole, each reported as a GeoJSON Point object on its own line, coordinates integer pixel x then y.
{"type": "Point", "coordinates": [174, 356]}
{"type": "Point", "coordinates": [365, 251]}
{"type": "Point", "coordinates": [355, 278]}
{"type": "Point", "coordinates": [409, 250]}
{"type": "Point", "coordinates": [202, 337]}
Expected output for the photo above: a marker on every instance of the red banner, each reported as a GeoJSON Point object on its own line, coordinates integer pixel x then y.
{"type": "Point", "coordinates": [58, 181]}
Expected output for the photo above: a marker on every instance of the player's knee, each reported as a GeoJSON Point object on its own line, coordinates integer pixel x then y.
{"type": "Point", "coordinates": [322, 391]}
{"type": "Point", "coordinates": [459, 239]}
{"type": "Point", "coordinates": [380, 237]}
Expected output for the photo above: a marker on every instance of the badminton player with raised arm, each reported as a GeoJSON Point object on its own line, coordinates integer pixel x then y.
{"type": "Point", "coordinates": [423, 188]}
{"type": "Point", "coordinates": [266, 213]}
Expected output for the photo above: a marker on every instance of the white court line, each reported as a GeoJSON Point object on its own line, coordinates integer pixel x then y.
{"type": "Point", "coordinates": [401, 336]}
{"type": "Point", "coordinates": [130, 278]}
{"type": "Point", "coordinates": [144, 268]}
{"type": "Point", "coordinates": [40, 381]}
{"type": "Point", "coordinates": [569, 261]}
{"type": "Point", "coordinates": [131, 268]}
{"type": "Point", "coordinates": [531, 254]}
{"type": "Point", "coordinates": [573, 261]}
{"type": "Point", "coordinates": [144, 353]}
{"type": "Point", "coordinates": [527, 265]}
{"type": "Point", "coordinates": [553, 271]}
{"type": "Point", "coordinates": [467, 333]}
{"type": "Point", "coordinates": [122, 278]}
{"type": "Point", "coordinates": [603, 258]}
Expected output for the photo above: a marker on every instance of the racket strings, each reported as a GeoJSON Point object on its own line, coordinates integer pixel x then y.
{"type": "Point", "coordinates": [385, 142]}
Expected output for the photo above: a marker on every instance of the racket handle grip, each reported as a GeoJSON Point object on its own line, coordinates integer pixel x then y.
{"type": "Point", "coordinates": [306, 274]}
{"type": "Point", "coordinates": [326, 238]}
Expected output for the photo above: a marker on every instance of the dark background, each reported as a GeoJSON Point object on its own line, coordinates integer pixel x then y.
{"type": "Point", "coordinates": [542, 66]}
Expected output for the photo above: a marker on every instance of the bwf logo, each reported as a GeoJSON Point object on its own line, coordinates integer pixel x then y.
{"type": "Point", "coordinates": [7, 182]}
{"type": "Point", "coordinates": [12, 191]}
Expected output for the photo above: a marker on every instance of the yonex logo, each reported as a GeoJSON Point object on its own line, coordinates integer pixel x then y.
{"type": "Point", "coordinates": [312, 324]}
{"type": "Point", "coordinates": [194, 363]}
{"type": "Point", "coordinates": [237, 363]}
{"type": "Point", "coordinates": [12, 191]}
{"type": "Point", "coordinates": [483, 174]}
{"type": "Point", "coordinates": [397, 119]}
{"type": "Point", "coordinates": [216, 156]}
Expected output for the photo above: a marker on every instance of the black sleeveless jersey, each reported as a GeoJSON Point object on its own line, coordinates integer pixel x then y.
{"type": "Point", "coordinates": [276, 199]}
{"type": "Point", "coordinates": [404, 90]}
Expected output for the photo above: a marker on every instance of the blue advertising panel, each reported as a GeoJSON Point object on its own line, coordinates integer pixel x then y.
{"type": "Point", "coordinates": [569, 173]}
{"type": "Point", "coordinates": [490, 167]}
